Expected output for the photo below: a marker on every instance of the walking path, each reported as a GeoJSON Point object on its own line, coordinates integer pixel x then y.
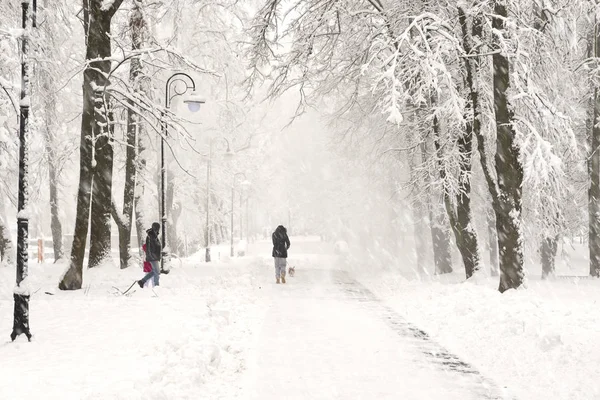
{"type": "Point", "coordinates": [325, 336]}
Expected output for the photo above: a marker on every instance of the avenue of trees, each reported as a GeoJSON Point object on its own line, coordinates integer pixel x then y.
{"type": "Point", "coordinates": [470, 113]}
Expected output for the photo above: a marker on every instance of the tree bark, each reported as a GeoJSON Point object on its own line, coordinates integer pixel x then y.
{"type": "Point", "coordinates": [440, 237]}
{"type": "Point", "coordinates": [98, 50]}
{"type": "Point", "coordinates": [138, 26]}
{"type": "Point", "coordinates": [418, 210]}
{"type": "Point", "coordinates": [460, 217]}
{"type": "Point", "coordinates": [100, 215]}
{"type": "Point", "coordinates": [594, 168]}
{"type": "Point", "coordinates": [141, 220]}
{"type": "Point", "coordinates": [506, 191]}
{"type": "Point", "coordinates": [548, 251]}
{"type": "Point", "coordinates": [492, 242]}
{"type": "Point", "coordinates": [6, 246]}
{"type": "Point", "coordinates": [509, 171]}
{"type": "Point", "coordinates": [50, 139]}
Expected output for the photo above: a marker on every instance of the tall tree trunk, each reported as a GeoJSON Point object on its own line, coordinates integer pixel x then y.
{"type": "Point", "coordinates": [492, 242]}
{"type": "Point", "coordinates": [50, 139]}
{"type": "Point", "coordinates": [548, 251]}
{"type": "Point", "coordinates": [440, 237]}
{"type": "Point", "coordinates": [418, 211]}
{"type": "Point", "coordinates": [594, 168]}
{"type": "Point", "coordinates": [508, 200]}
{"type": "Point", "coordinates": [506, 191]}
{"type": "Point", "coordinates": [138, 27]}
{"type": "Point", "coordinates": [100, 215]}
{"type": "Point", "coordinates": [97, 20]}
{"type": "Point", "coordinates": [141, 219]}
{"type": "Point", "coordinates": [460, 216]}
{"type": "Point", "coordinates": [6, 245]}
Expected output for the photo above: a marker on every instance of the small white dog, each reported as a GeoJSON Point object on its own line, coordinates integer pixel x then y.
{"type": "Point", "coordinates": [291, 271]}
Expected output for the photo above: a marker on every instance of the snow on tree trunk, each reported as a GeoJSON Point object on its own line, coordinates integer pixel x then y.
{"type": "Point", "coordinates": [6, 244]}
{"type": "Point", "coordinates": [594, 169]}
{"type": "Point", "coordinates": [473, 68]}
{"type": "Point", "coordinates": [459, 216]}
{"type": "Point", "coordinates": [509, 171]}
{"type": "Point", "coordinates": [440, 236]}
{"type": "Point", "coordinates": [97, 27]}
{"type": "Point", "coordinates": [141, 221]}
{"type": "Point", "coordinates": [138, 26]}
{"type": "Point", "coordinates": [100, 215]}
{"type": "Point", "coordinates": [492, 242]}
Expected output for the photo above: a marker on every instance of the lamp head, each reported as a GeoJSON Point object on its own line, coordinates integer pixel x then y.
{"type": "Point", "coordinates": [194, 101]}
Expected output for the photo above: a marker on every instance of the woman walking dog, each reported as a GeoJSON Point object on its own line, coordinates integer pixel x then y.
{"type": "Point", "coordinates": [281, 244]}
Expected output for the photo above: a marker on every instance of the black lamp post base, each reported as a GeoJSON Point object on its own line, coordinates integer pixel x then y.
{"type": "Point", "coordinates": [165, 266]}
{"type": "Point", "coordinates": [21, 317]}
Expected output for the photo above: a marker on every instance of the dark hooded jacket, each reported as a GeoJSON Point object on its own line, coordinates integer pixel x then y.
{"type": "Point", "coordinates": [281, 242]}
{"type": "Point", "coordinates": [153, 247]}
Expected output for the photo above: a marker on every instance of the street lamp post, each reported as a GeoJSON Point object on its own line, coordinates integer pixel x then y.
{"type": "Point", "coordinates": [228, 152]}
{"type": "Point", "coordinates": [232, 198]}
{"type": "Point", "coordinates": [194, 102]}
{"type": "Point", "coordinates": [21, 293]}
{"type": "Point", "coordinates": [241, 216]}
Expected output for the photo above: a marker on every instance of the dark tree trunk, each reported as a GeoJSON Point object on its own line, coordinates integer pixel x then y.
{"type": "Point", "coordinates": [440, 236]}
{"type": "Point", "coordinates": [141, 222]}
{"type": "Point", "coordinates": [548, 251]}
{"type": "Point", "coordinates": [506, 191]}
{"type": "Point", "coordinates": [509, 171]}
{"type": "Point", "coordinates": [100, 216]}
{"type": "Point", "coordinates": [418, 222]}
{"type": "Point", "coordinates": [129, 188]}
{"type": "Point", "coordinates": [492, 242]}
{"type": "Point", "coordinates": [137, 26]}
{"type": "Point", "coordinates": [55, 225]}
{"type": "Point", "coordinates": [472, 68]}
{"type": "Point", "coordinates": [49, 120]}
{"type": "Point", "coordinates": [97, 27]}
{"type": "Point", "coordinates": [6, 247]}
{"type": "Point", "coordinates": [460, 217]}
{"type": "Point", "coordinates": [440, 239]}
{"type": "Point", "coordinates": [594, 169]}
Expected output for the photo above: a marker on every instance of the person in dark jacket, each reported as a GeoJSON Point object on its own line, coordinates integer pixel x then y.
{"type": "Point", "coordinates": [281, 244]}
{"type": "Point", "coordinates": [153, 254]}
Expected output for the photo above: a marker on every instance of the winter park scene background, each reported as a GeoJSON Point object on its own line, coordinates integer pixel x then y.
{"type": "Point", "coordinates": [435, 164]}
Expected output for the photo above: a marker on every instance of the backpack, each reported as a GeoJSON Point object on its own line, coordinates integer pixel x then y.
{"type": "Point", "coordinates": [147, 265]}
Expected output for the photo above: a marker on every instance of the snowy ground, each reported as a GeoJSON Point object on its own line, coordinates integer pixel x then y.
{"type": "Point", "coordinates": [226, 331]}
{"type": "Point", "coordinates": [91, 344]}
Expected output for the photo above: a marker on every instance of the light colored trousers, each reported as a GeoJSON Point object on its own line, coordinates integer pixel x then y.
{"type": "Point", "coordinates": [280, 264]}
{"type": "Point", "coordinates": [154, 274]}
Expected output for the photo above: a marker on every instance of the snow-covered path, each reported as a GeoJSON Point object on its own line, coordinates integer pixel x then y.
{"type": "Point", "coordinates": [325, 336]}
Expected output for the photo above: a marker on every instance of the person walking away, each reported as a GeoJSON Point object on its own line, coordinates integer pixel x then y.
{"type": "Point", "coordinates": [153, 254]}
{"type": "Point", "coordinates": [281, 244]}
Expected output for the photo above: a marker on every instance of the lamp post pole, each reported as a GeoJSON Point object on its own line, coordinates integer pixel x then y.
{"type": "Point", "coordinates": [208, 167]}
{"type": "Point", "coordinates": [194, 105]}
{"type": "Point", "coordinates": [21, 293]}
{"type": "Point", "coordinates": [232, 198]}
{"type": "Point", "coordinates": [241, 216]}
{"type": "Point", "coordinates": [247, 221]}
